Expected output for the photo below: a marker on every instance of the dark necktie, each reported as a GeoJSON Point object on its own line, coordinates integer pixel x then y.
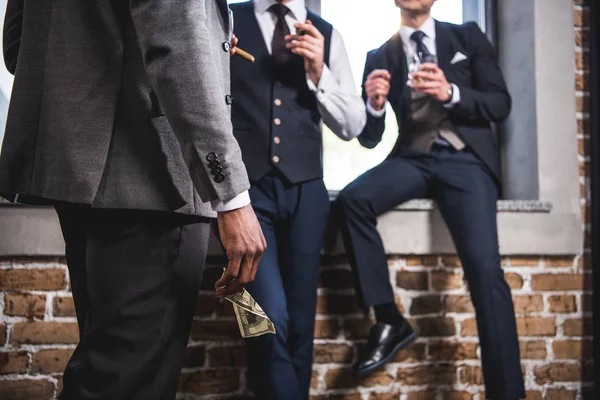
{"type": "Point", "coordinates": [280, 53]}
{"type": "Point", "coordinates": [422, 50]}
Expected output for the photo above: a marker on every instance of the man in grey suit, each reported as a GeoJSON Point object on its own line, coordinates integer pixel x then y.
{"type": "Point", "coordinates": [120, 119]}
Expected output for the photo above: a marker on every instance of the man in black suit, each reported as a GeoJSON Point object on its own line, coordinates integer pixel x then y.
{"type": "Point", "coordinates": [447, 151]}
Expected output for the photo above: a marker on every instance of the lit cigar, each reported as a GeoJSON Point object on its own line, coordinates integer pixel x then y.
{"type": "Point", "coordinates": [245, 55]}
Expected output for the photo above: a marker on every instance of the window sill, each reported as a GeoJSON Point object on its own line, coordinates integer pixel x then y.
{"type": "Point", "coordinates": [416, 227]}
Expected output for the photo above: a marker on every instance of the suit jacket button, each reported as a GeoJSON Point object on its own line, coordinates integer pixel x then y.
{"type": "Point", "coordinates": [228, 99]}
{"type": "Point", "coordinates": [219, 178]}
{"type": "Point", "coordinates": [211, 157]}
{"type": "Point", "coordinates": [217, 171]}
{"type": "Point", "coordinates": [226, 47]}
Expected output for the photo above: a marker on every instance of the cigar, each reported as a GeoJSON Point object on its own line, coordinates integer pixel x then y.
{"type": "Point", "coordinates": [245, 55]}
{"type": "Point", "coordinates": [301, 32]}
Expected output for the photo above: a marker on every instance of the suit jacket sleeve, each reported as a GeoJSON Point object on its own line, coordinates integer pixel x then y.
{"type": "Point", "coordinates": [13, 25]}
{"type": "Point", "coordinates": [184, 66]}
{"type": "Point", "coordinates": [373, 131]}
{"type": "Point", "coordinates": [488, 99]}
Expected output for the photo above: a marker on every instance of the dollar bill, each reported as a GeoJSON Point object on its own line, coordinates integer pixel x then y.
{"type": "Point", "coordinates": [251, 318]}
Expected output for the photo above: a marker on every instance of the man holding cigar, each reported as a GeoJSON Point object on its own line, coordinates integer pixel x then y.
{"type": "Point", "coordinates": [447, 151]}
{"type": "Point", "coordinates": [120, 119]}
{"type": "Point", "coordinates": [301, 77]}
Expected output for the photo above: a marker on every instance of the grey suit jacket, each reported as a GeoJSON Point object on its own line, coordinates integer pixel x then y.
{"type": "Point", "coordinates": [120, 104]}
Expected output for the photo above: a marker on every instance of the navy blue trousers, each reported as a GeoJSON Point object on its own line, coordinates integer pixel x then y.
{"type": "Point", "coordinates": [293, 219]}
{"type": "Point", "coordinates": [466, 196]}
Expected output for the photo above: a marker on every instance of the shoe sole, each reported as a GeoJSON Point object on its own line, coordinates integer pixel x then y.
{"type": "Point", "coordinates": [399, 347]}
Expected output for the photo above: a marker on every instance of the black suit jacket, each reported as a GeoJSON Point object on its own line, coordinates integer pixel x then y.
{"type": "Point", "coordinates": [484, 98]}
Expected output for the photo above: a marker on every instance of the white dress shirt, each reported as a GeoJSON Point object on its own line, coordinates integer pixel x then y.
{"type": "Point", "coordinates": [410, 49]}
{"type": "Point", "coordinates": [339, 104]}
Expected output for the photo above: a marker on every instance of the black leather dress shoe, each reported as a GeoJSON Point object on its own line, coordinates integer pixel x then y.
{"type": "Point", "coordinates": [385, 341]}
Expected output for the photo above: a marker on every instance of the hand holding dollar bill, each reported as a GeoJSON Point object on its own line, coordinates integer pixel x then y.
{"type": "Point", "coordinates": [251, 319]}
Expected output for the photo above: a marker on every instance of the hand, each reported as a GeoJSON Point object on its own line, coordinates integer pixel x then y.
{"type": "Point", "coordinates": [431, 80]}
{"type": "Point", "coordinates": [244, 244]}
{"type": "Point", "coordinates": [311, 46]}
{"type": "Point", "coordinates": [233, 42]}
{"type": "Point", "coordinates": [377, 87]}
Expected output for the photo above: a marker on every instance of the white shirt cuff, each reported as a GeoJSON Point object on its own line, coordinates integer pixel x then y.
{"type": "Point", "coordinates": [239, 201]}
{"type": "Point", "coordinates": [374, 112]}
{"type": "Point", "coordinates": [324, 82]}
{"type": "Point", "coordinates": [455, 97]}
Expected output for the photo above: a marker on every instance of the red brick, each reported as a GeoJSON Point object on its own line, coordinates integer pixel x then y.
{"type": "Point", "coordinates": [24, 305]}
{"type": "Point", "coordinates": [206, 304]}
{"type": "Point", "coordinates": [337, 279]}
{"type": "Point", "coordinates": [195, 356]}
{"type": "Point", "coordinates": [561, 394]}
{"type": "Point", "coordinates": [216, 330]}
{"type": "Point", "coordinates": [453, 351]}
{"type": "Point", "coordinates": [533, 350]}
{"type": "Point", "coordinates": [562, 304]}
{"type": "Point", "coordinates": [457, 396]}
{"type": "Point", "coordinates": [427, 375]}
{"type": "Point", "coordinates": [536, 326]}
{"type": "Point", "coordinates": [559, 261]}
{"type": "Point", "coordinates": [529, 304]}
{"type": "Point", "coordinates": [337, 304]}
{"type": "Point", "coordinates": [582, 38]}
{"type": "Point", "coordinates": [581, 17]}
{"type": "Point", "coordinates": [558, 372]}
{"type": "Point", "coordinates": [29, 389]}
{"type": "Point", "coordinates": [434, 326]}
{"type": "Point", "coordinates": [549, 282]}
{"type": "Point", "coordinates": [357, 328]}
{"type": "Point", "coordinates": [32, 279]}
{"type": "Point", "coordinates": [326, 329]}
{"type": "Point", "coordinates": [578, 327]}
{"type": "Point", "coordinates": [383, 396]}
{"type": "Point", "coordinates": [458, 304]}
{"type": "Point", "coordinates": [14, 362]}
{"type": "Point", "coordinates": [314, 380]}
{"type": "Point", "coordinates": [582, 83]}
{"type": "Point", "coordinates": [231, 356]}
{"type": "Point", "coordinates": [415, 352]}
{"type": "Point", "coordinates": [63, 307]}
{"type": "Point", "coordinates": [471, 375]}
{"type": "Point", "coordinates": [443, 280]}
{"type": "Point", "coordinates": [420, 396]}
{"type": "Point", "coordinates": [571, 349]}
{"type": "Point", "coordinates": [347, 396]}
{"type": "Point", "coordinates": [451, 262]}
{"type": "Point", "coordinates": [332, 353]}
{"type": "Point", "coordinates": [531, 395]}
{"type": "Point", "coordinates": [2, 334]}
{"type": "Point", "coordinates": [412, 280]}
{"type": "Point", "coordinates": [45, 333]}
{"type": "Point", "coordinates": [342, 378]}
{"type": "Point", "coordinates": [515, 281]}
{"type": "Point", "coordinates": [430, 304]}
{"type": "Point", "coordinates": [211, 381]}
{"type": "Point", "coordinates": [50, 361]}
{"type": "Point", "coordinates": [525, 261]}
{"type": "Point", "coordinates": [468, 328]}
{"type": "Point", "coordinates": [422, 261]}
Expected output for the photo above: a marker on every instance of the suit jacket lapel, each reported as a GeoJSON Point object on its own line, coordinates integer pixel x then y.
{"type": "Point", "coordinates": [224, 8]}
{"type": "Point", "coordinates": [444, 45]}
{"type": "Point", "coordinates": [397, 66]}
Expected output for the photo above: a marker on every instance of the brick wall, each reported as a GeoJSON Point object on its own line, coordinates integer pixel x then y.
{"type": "Point", "coordinates": [552, 300]}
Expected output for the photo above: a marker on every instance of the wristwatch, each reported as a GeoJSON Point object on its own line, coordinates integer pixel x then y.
{"type": "Point", "coordinates": [450, 94]}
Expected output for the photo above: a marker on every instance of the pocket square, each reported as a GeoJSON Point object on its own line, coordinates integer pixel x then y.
{"type": "Point", "coordinates": [458, 57]}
